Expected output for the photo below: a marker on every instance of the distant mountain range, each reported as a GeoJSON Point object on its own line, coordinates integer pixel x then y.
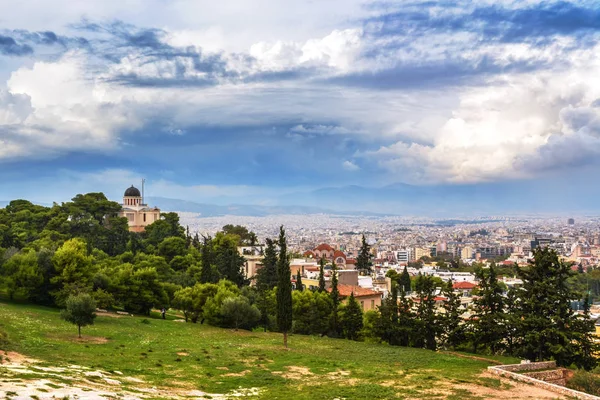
{"type": "Point", "coordinates": [213, 210]}
{"type": "Point", "coordinates": [438, 201]}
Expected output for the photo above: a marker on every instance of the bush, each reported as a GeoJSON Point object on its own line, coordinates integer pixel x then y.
{"type": "Point", "coordinates": [587, 382]}
{"type": "Point", "coordinates": [238, 313]}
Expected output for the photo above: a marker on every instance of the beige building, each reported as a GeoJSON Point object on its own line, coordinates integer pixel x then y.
{"type": "Point", "coordinates": [138, 214]}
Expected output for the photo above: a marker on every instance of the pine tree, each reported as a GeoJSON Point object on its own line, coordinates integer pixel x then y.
{"type": "Point", "coordinates": [550, 328]}
{"type": "Point", "coordinates": [426, 318]}
{"type": "Point", "coordinates": [489, 322]}
{"type": "Point", "coordinates": [452, 329]}
{"type": "Point", "coordinates": [299, 285]}
{"type": "Point", "coordinates": [363, 261]}
{"type": "Point", "coordinates": [352, 319]}
{"type": "Point", "coordinates": [404, 280]}
{"type": "Point", "coordinates": [385, 328]}
{"type": "Point", "coordinates": [406, 320]}
{"type": "Point", "coordinates": [284, 289]}
{"type": "Point", "coordinates": [266, 277]}
{"type": "Point", "coordinates": [322, 275]}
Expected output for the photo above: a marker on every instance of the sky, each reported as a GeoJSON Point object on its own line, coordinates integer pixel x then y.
{"type": "Point", "coordinates": [242, 101]}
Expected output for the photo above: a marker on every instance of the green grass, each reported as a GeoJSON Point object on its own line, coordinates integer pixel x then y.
{"type": "Point", "coordinates": [218, 360]}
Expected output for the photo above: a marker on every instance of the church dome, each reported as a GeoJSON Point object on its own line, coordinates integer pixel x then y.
{"type": "Point", "coordinates": [132, 192]}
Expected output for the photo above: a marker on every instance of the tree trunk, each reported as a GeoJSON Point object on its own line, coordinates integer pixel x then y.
{"type": "Point", "coordinates": [79, 328]}
{"type": "Point", "coordinates": [285, 339]}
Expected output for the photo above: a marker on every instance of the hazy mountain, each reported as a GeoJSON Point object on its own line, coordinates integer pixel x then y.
{"type": "Point", "coordinates": [448, 200]}
{"type": "Point", "coordinates": [212, 210]}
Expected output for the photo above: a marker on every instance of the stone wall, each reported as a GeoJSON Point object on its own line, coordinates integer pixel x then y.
{"type": "Point", "coordinates": [510, 371]}
{"type": "Point", "coordinates": [557, 376]}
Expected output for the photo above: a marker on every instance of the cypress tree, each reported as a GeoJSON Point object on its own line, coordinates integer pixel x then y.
{"type": "Point", "coordinates": [299, 285]}
{"type": "Point", "coordinates": [404, 280]}
{"type": "Point", "coordinates": [207, 273]}
{"type": "Point", "coordinates": [266, 277]}
{"type": "Point", "coordinates": [322, 275]}
{"type": "Point", "coordinates": [363, 261]}
{"type": "Point", "coordinates": [284, 289]}
{"type": "Point", "coordinates": [335, 298]}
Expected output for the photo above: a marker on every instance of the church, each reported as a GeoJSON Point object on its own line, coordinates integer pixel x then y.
{"type": "Point", "coordinates": [138, 214]}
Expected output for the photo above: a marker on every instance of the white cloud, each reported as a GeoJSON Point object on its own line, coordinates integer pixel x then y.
{"type": "Point", "coordinates": [61, 109]}
{"type": "Point", "coordinates": [510, 128]}
{"type": "Point", "coordinates": [350, 166]}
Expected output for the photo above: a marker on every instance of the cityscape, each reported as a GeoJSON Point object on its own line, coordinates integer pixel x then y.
{"type": "Point", "coordinates": [312, 200]}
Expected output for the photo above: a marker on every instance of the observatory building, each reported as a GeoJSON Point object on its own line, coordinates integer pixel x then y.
{"type": "Point", "coordinates": [138, 214]}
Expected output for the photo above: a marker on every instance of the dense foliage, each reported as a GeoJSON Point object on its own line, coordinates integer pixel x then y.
{"type": "Point", "coordinates": [80, 254]}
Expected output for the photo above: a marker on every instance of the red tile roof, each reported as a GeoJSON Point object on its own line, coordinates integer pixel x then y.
{"type": "Point", "coordinates": [346, 290]}
{"type": "Point", "coordinates": [464, 285]}
{"type": "Point", "coordinates": [309, 253]}
{"type": "Point", "coordinates": [324, 247]}
{"type": "Point", "coordinates": [339, 254]}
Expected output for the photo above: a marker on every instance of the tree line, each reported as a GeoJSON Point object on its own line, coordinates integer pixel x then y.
{"type": "Point", "coordinates": [82, 249]}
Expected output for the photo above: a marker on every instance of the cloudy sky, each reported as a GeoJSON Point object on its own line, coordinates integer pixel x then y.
{"type": "Point", "coordinates": [241, 100]}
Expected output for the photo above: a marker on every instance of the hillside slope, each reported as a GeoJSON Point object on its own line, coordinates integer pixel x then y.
{"type": "Point", "coordinates": [135, 357]}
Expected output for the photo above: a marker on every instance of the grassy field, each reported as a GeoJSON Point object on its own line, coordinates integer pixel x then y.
{"type": "Point", "coordinates": [180, 356]}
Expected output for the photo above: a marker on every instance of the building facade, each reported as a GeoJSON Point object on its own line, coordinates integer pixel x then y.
{"type": "Point", "coordinates": [138, 214]}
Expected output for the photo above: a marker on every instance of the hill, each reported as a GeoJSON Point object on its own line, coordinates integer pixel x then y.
{"type": "Point", "coordinates": [140, 357]}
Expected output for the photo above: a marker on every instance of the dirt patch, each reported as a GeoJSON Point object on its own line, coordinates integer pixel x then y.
{"type": "Point", "coordinates": [508, 390]}
{"type": "Point", "coordinates": [223, 368]}
{"type": "Point", "coordinates": [183, 353]}
{"type": "Point", "coordinates": [17, 358]}
{"type": "Point", "coordinates": [487, 360]}
{"type": "Point", "coordinates": [92, 339]}
{"type": "Point", "coordinates": [108, 314]}
{"type": "Point", "coordinates": [296, 372]}
{"type": "Point", "coordinates": [243, 373]}
{"type": "Point", "coordinates": [339, 374]}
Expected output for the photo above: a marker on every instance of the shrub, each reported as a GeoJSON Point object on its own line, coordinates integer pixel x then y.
{"type": "Point", "coordinates": [587, 382]}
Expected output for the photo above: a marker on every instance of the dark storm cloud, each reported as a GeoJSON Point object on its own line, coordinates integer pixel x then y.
{"type": "Point", "coordinates": [10, 47]}
{"type": "Point", "coordinates": [494, 23]}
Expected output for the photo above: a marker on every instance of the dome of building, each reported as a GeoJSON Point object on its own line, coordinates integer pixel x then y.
{"type": "Point", "coordinates": [132, 192]}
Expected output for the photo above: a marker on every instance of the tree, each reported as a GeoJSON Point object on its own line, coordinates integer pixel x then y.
{"type": "Point", "coordinates": [322, 275]}
{"type": "Point", "coordinates": [404, 280]}
{"type": "Point", "coordinates": [550, 329]}
{"type": "Point", "coordinates": [74, 270]}
{"type": "Point", "coordinates": [426, 319]}
{"type": "Point", "coordinates": [266, 278]}
{"type": "Point", "coordinates": [172, 247]}
{"type": "Point", "coordinates": [488, 324]}
{"type": "Point", "coordinates": [227, 259]}
{"type": "Point", "coordinates": [351, 319]}
{"type": "Point", "coordinates": [80, 310]}
{"type": "Point", "coordinates": [335, 299]}
{"type": "Point", "coordinates": [299, 285]}
{"type": "Point", "coordinates": [208, 273]}
{"type": "Point", "coordinates": [212, 307]}
{"type": "Point", "coordinates": [363, 261]}
{"type": "Point", "coordinates": [284, 289]}
{"type": "Point", "coordinates": [238, 312]}
{"type": "Point", "coordinates": [452, 332]}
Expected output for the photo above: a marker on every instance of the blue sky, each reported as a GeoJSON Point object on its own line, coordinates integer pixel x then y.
{"type": "Point", "coordinates": [240, 101]}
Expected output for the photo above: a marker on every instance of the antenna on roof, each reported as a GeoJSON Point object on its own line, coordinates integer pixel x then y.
{"type": "Point", "coordinates": [143, 181]}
